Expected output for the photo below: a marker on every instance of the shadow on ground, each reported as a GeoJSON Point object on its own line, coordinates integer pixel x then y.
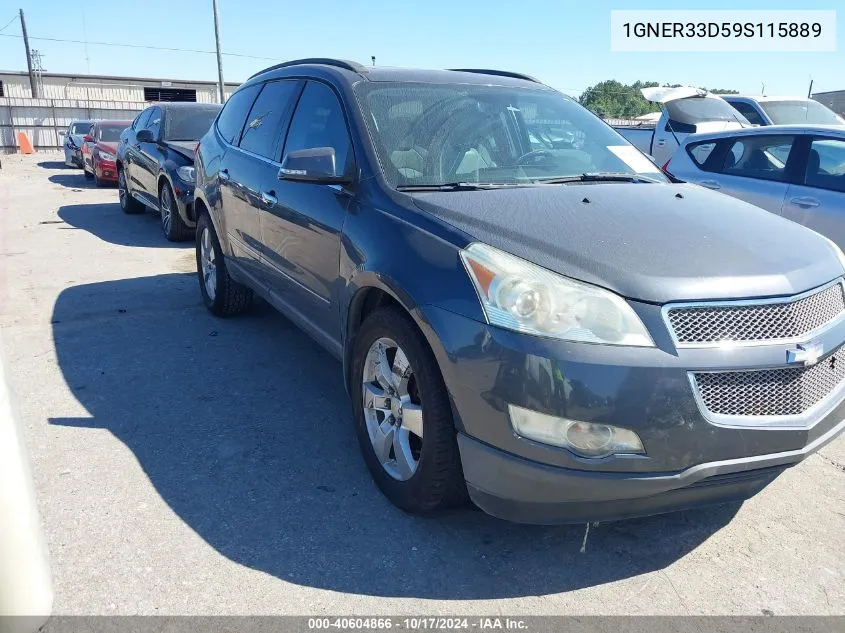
{"type": "Point", "coordinates": [108, 222]}
{"type": "Point", "coordinates": [55, 164]}
{"type": "Point", "coordinates": [243, 427]}
{"type": "Point", "coordinates": [75, 179]}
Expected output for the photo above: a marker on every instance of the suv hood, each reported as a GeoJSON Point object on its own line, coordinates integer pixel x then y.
{"type": "Point", "coordinates": [652, 242]}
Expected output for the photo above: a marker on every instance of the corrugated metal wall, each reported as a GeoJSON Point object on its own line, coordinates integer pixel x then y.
{"type": "Point", "coordinates": [41, 119]}
{"type": "Point", "coordinates": [834, 100]}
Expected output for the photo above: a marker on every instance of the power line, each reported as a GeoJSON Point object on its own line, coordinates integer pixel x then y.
{"type": "Point", "coordinates": [8, 24]}
{"type": "Point", "coordinates": [144, 46]}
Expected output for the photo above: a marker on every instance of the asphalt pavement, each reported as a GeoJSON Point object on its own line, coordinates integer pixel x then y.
{"type": "Point", "coordinates": [186, 464]}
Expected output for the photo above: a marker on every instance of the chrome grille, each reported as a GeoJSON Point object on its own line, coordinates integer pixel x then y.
{"type": "Point", "coordinates": [756, 322]}
{"type": "Point", "coordinates": [778, 392]}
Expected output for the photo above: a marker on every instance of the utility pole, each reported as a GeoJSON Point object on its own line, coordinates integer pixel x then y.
{"type": "Point", "coordinates": [810, 91]}
{"type": "Point", "coordinates": [219, 56]}
{"type": "Point", "coordinates": [32, 83]}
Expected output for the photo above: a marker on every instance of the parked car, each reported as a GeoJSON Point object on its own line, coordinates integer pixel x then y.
{"type": "Point", "coordinates": [563, 334]}
{"type": "Point", "coordinates": [797, 172]}
{"type": "Point", "coordinates": [155, 163]}
{"type": "Point", "coordinates": [73, 139]}
{"type": "Point", "coordinates": [685, 111]}
{"type": "Point", "coordinates": [99, 150]}
{"type": "Point", "coordinates": [783, 111]}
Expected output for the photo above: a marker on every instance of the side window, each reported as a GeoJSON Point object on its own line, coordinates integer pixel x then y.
{"type": "Point", "coordinates": [154, 124]}
{"type": "Point", "coordinates": [319, 122]}
{"type": "Point", "coordinates": [826, 165]}
{"type": "Point", "coordinates": [231, 119]}
{"type": "Point", "coordinates": [748, 111]}
{"type": "Point", "coordinates": [761, 157]}
{"type": "Point", "coordinates": [267, 117]}
{"type": "Point", "coordinates": [700, 152]}
{"type": "Point", "coordinates": [142, 119]}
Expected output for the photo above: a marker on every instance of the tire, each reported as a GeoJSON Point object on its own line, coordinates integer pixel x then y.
{"type": "Point", "coordinates": [228, 297]}
{"type": "Point", "coordinates": [128, 204]}
{"type": "Point", "coordinates": [437, 481]}
{"type": "Point", "coordinates": [97, 181]}
{"type": "Point", "coordinates": [88, 174]}
{"type": "Point", "coordinates": [175, 229]}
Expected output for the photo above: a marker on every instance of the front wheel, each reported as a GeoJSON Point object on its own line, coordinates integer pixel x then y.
{"type": "Point", "coordinates": [403, 416]}
{"type": "Point", "coordinates": [127, 203]}
{"type": "Point", "coordinates": [221, 294]}
{"type": "Point", "coordinates": [175, 230]}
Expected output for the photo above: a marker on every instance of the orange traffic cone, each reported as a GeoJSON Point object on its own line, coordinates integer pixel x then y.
{"type": "Point", "coordinates": [24, 142]}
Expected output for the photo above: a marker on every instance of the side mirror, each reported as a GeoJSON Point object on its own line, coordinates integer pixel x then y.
{"type": "Point", "coordinates": [145, 136]}
{"type": "Point", "coordinates": [315, 165]}
{"type": "Point", "coordinates": [62, 133]}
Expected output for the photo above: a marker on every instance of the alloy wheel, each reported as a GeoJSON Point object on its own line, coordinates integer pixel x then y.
{"type": "Point", "coordinates": [392, 410]}
{"type": "Point", "coordinates": [166, 206]}
{"type": "Point", "coordinates": [208, 263]}
{"type": "Point", "coordinates": [121, 188]}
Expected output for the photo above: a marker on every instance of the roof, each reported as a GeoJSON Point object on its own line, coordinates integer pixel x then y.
{"type": "Point", "coordinates": [24, 73]}
{"type": "Point", "coordinates": [768, 130]}
{"type": "Point", "coordinates": [354, 72]}
{"type": "Point", "coordinates": [764, 98]}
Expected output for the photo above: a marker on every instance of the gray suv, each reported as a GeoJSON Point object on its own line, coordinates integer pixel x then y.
{"type": "Point", "coordinates": [527, 311]}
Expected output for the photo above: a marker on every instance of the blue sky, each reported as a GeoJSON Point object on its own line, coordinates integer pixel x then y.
{"type": "Point", "coordinates": [562, 42]}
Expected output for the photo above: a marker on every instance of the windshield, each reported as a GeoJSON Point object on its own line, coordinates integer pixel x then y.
{"type": "Point", "coordinates": [792, 112]}
{"type": "Point", "coordinates": [80, 128]}
{"type": "Point", "coordinates": [432, 134]}
{"type": "Point", "coordinates": [189, 124]}
{"type": "Point", "coordinates": [110, 133]}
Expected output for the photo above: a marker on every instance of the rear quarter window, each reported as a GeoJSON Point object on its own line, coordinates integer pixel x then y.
{"type": "Point", "coordinates": [700, 152]}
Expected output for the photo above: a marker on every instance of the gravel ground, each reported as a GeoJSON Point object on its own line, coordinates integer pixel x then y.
{"type": "Point", "coordinates": [191, 465]}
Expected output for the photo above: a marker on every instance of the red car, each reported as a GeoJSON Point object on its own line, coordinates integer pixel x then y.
{"type": "Point", "coordinates": [98, 150]}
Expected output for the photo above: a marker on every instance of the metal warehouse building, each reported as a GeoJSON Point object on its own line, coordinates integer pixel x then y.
{"type": "Point", "coordinates": [107, 88]}
{"type": "Point", "coordinates": [834, 100]}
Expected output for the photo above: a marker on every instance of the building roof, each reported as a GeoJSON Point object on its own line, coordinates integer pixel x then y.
{"type": "Point", "coordinates": [23, 73]}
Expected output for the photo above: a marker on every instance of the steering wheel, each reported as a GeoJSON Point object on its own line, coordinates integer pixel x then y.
{"type": "Point", "coordinates": [535, 156]}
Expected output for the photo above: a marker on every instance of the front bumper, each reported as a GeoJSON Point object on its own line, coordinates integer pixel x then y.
{"type": "Point", "coordinates": [646, 390]}
{"type": "Point", "coordinates": [106, 171]}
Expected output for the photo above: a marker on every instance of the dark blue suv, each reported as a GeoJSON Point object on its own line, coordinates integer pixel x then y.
{"type": "Point", "coordinates": [527, 311]}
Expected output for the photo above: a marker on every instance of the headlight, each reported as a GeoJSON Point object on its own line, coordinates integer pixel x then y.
{"type": "Point", "coordinates": [586, 439]}
{"type": "Point", "coordinates": [187, 174]}
{"type": "Point", "coordinates": [106, 156]}
{"type": "Point", "coordinates": [521, 296]}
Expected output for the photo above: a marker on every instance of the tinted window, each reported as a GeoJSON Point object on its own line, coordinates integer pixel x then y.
{"type": "Point", "coordinates": [154, 123]}
{"type": "Point", "coordinates": [267, 116]}
{"type": "Point", "coordinates": [694, 109]}
{"type": "Point", "coordinates": [826, 165]}
{"type": "Point", "coordinates": [799, 112]}
{"type": "Point", "coordinates": [700, 152]}
{"type": "Point", "coordinates": [231, 120]}
{"type": "Point", "coordinates": [110, 133]}
{"type": "Point", "coordinates": [190, 123]}
{"type": "Point", "coordinates": [762, 157]}
{"type": "Point", "coordinates": [319, 122]}
{"type": "Point", "coordinates": [80, 128]}
{"type": "Point", "coordinates": [142, 119]}
{"type": "Point", "coordinates": [748, 112]}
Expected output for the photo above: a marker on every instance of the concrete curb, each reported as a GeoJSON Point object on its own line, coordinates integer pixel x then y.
{"type": "Point", "coordinates": [25, 582]}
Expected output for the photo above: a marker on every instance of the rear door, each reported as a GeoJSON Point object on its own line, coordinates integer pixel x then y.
{"type": "Point", "coordinates": [755, 168]}
{"type": "Point", "coordinates": [301, 230]}
{"type": "Point", "coordinates": [818, 201]}
{"type": "Point", "coordinates": [252, 168]}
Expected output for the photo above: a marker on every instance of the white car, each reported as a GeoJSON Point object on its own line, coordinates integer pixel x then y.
{"type": "Point", "coordinates": [797, 172]}
{"type": "Point", "coordinates": [783, 110]}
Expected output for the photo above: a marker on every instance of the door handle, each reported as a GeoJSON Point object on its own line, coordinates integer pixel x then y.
{"type": "Point", "coordinates": [223, 175]}
{"type": "Point", "coordinates": [661, 142]}
{"type": "Point", "coordinates": [710, 184]}
{"type": "Point", "coordinates": [805, 203]}
{"type": "Point", "coordinates": [269, 198]}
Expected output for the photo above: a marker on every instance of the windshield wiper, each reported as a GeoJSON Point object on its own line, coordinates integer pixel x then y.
{"type": "Point", "coordinates": [597, 176]}
{"type": "Point", "coordinates": [457, 186]}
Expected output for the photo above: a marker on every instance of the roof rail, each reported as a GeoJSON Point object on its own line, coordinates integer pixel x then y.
{"type": "Point", "coordinates": [326, 61]}
{"type": "Point", "coordinates": [499, 73]}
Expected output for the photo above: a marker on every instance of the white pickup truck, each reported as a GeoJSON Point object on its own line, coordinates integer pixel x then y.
{"type": "Point", "coordinates": [685, 110]}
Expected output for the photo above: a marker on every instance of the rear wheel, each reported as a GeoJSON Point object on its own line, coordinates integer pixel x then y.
{"type": "Point", "coordinates": [221, 294]}
{"type": "Point", "coordinates": [175, 230]}
{"type": "Point", "coordinates": [403, 416]}
{"type": "Point", "coordinates": [87, 173]}
{"type": "Point", "coordinates": [127, 203]}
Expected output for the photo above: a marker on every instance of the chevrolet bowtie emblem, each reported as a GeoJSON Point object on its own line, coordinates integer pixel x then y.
{"type": "Point", "coordinates": [808, 354]}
